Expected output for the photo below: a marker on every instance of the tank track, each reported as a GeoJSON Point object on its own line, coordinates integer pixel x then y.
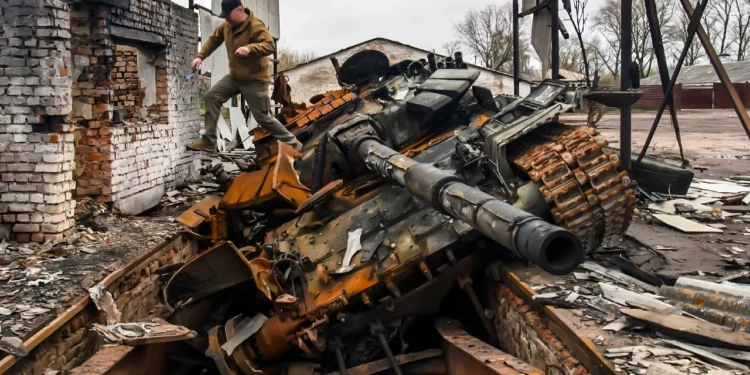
{"type": "Point", "coordinates": [580, 180]}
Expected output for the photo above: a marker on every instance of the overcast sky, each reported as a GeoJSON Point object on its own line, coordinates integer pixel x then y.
{"type": "Point", "coordinates": [325, 26]}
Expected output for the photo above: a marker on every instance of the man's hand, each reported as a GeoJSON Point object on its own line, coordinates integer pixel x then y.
{"type": "Point", "coordinates": [197, 63]}
{"type": "Point", "coordinates": [242, 51]}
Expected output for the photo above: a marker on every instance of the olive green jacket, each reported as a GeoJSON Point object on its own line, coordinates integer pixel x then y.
{"type": "Point", "coordinates": [252, 34]}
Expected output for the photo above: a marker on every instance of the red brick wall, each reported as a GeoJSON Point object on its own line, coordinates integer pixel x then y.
{"type": "Point", "coordinates": [126, 87]}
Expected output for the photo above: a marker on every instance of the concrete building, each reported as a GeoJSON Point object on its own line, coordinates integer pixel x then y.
{"type": "Point", "coordinates": [318, 75]}
{"type": "Point", "coordinates": [64, 67]}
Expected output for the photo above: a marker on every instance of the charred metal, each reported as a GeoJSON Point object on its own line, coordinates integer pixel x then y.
{"type": "Point", "coordinates": [411, 180]}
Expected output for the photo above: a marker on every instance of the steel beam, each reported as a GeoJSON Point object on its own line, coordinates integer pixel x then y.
{"type": "Point", "coordinates": [661, 60]}
{"type": "Point", "coordinates": [554, 7]}
{"type": "Point", "coordinates": [739, 107]}
{"type": "Point", "coordinates": [695, 21]}
{"type": "Point", "coordinates": [516, 51]}
{"type": "Point", "coordinates": [465, 354]}
{"type": "Point", "coordinates": [626, 47]}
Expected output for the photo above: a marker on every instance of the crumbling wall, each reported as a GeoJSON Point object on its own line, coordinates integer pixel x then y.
{"type": "Point", "coordinates": [36, 139]}
{"type": "Point", "coordinates": [126, 84]}
{"type": "Point", "coordinates": [523, 333]}
{"type": "Point", "coordinates": [132, 164]}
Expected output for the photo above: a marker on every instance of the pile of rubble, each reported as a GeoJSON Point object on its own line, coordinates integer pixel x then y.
{"type": "Point", "coordinates": [39, 281]}
{"type": "Point", "coordinates": [705, 208]}
{"type": "Point", "coordinates": [682, 326]}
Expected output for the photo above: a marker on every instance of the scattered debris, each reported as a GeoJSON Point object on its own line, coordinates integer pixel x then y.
{"type": "Point", "coordinates": [104, 302]}
{"type": "Point", "coordinates": [713, 358]}
{"type": "Point", "coordinates": [13, 345]}
{"type": "Point", "coordinates": [151, 331]}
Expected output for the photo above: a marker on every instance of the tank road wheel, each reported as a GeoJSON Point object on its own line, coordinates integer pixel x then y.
{"type": "Point", "coordinates": [580, 180]}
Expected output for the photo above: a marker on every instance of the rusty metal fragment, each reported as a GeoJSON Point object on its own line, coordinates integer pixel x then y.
{"type": "Point", "coordinates": [468, 355]}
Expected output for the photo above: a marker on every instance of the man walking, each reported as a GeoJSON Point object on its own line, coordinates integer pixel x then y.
{"type": "Point", "coordinates": [248, 44]}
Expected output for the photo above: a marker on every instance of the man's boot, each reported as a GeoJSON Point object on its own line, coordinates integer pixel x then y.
{"type": "Point", "coordinates": [201, 145]}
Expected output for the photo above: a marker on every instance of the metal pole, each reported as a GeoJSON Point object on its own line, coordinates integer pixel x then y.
{"type": "Point", "coordinates": [626, 46]}
{"type": "Point", "coordinates": [554, 7]}
{"type": "Point", "coordinates": [661, 59]}
{"type": "Point", "coordinates": [516, 51]}
{"type": "Point", "coordinates": [695, 21]}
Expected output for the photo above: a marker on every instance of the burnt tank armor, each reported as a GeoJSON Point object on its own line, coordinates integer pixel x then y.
{"type": "Point", "coordinates": [411, 177]}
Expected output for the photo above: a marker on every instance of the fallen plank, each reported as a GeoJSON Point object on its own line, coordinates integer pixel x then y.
{"type": "Point", "coordinates": [720, 187]}
{"type": "Point", "coordinates": [691, 329]}
{"type": "Point", "coordinates": [738, 209]}
{"type": "Point", "coordinates": [685, 225]}
{"type": "Point", "coordinates": [618, 276]}
{"type": "Point", "coordinates": [624, 297]}
{"type": "Point", "coordinates": [727, 353]}
{"type": "Point", "coordinates": [713, 358]}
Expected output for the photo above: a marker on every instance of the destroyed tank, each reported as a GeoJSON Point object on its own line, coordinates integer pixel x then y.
{"type": "Point", "coordinates": [411, 179]}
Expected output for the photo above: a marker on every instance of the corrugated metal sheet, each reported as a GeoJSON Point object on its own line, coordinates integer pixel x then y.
{"type": "Point", "coordinates": [697, 98]}
{"type": "Point", "coordinates": [738, 71]}
{"type": "Point", "coordinates": [721, 98]}
{"type": "Point", "coordinates": [653, 95]}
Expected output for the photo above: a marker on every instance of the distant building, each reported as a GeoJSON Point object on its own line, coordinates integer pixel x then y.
{"type": "Point", "coordinates": [705, 75]}
{"type": "Point", "coordinates": [567, 75]}
{"type": "Point", "coordinates": [318, 75]}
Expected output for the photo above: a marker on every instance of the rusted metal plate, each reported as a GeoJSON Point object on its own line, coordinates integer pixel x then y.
{"type": "Point", "coordinates": [270, 182]}
{"type": "Point", "coordinates": [466, 354]}
{"type": "Point", "coordinates": [286, 179]}
{"type": "Point", "coordinates": [581, 347]}
{"type": "Point", "coordinates": [248, 189]}
{"type": "Point", "coordinates": [198, 213]}
{"type": "Point", "coordinates": [320, 196]}
{"type": "Point", "coordinates": [716, 308]}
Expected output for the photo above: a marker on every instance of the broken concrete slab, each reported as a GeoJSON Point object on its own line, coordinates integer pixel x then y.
{"type": "Point", "coordinates": [139, 203]}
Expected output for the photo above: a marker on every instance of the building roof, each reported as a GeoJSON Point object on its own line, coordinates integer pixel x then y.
{"type": "Point", "coordinates": [381, 39]}
{"type": "Point", "coordinates": [568, 75]}
{"type": "Point", "coordinates": [739, 72]}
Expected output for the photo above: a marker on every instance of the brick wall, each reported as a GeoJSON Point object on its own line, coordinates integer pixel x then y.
{"type": "Point", "coordinates": [135, 294]}
{"type": "Point", "coordinates": [126, 86]}
{"type": "Point", "coordinates": [131, 165]}
{"type": "Point", "coordinates": [36, 142]}
{"type": "Point", "coordinates": [523, 333]}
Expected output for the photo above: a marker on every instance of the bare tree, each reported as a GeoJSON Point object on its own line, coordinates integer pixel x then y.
{"type": "Point", "coordinates": [570, 55]}
{"type": "Point", "coordinates": [579, 22]}
{"type": "Point", "coordinates": [594, 57]}
{"type": "Point", "coordinates": [452, 47]}
{"type": "Point", "coordinates": [678, 33]}
{"type": "Point", "coordinates": [717, 21]}
{"type": "Point", "coordinates": [488, 34]}
{"type": "Point", "coordinates": [607, 22]}
{"type": "Point", "coordinates": [289, 58]}
{"type": "Point", "coordinates": [741, 30]}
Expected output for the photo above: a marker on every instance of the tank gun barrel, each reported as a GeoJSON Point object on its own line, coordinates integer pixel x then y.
{"type": "Point", "coordinates": [550, 247]}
